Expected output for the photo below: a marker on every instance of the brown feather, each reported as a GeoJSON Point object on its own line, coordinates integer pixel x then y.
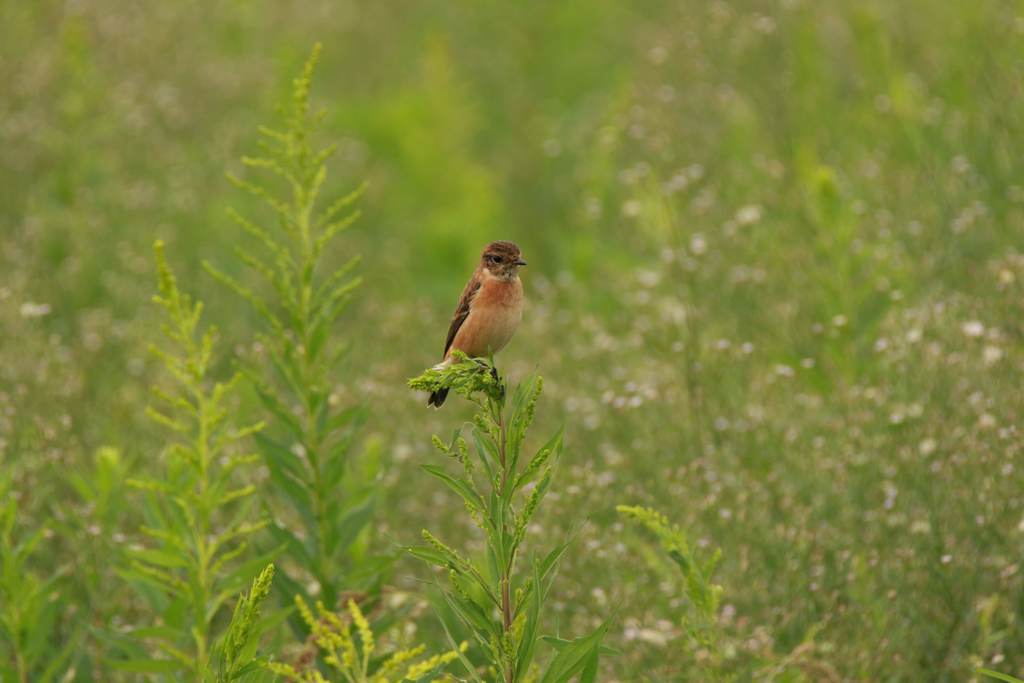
{"type": "Point", "coordinates": [462, 310]}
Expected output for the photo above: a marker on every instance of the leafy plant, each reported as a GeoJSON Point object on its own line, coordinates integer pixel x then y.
{"type": "Point", "coordinates": [1006, 678]}
{"type": "Point", "coordinates": [700, 620]}
{"type": "Point", "coordinates": [29, 605]}
{"type": "Point", "coordinates": [236, 654]}
{"type": "Point", "coordinates": [501, 491]}
{"type": "Point", "coordinates": [353, 652]}
{"type": "Point", "coordinates": [307, 448]}
{"type": "Point", "coordinates": [198, 519]}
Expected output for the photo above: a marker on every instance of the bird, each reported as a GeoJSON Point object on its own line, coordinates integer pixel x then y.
{"type": "Point", "coordinates": [490, 308]}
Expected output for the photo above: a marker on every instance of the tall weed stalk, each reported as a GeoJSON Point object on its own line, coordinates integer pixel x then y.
{"type": "Point", "coordinates": [30, 604]}
{"type": "Point", "coordinates": [307, 446]}
{"type": "Point", "coordinates": [699, 619]}
{"type": "Point", "coordinates": [501, 486]}
{"type": "Point", "coordinates": [198, 516]}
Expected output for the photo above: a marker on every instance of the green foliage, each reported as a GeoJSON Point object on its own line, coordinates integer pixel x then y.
{"type": "Point", "coordinates": [30, 605]}
{"type": "Point", "coordinates": [815, 360]}
{"type": "Point", "coordinates": [1006, 678]}
{"type": "Point", "coordinates": [700, 620]}
{"type": "Point", "coordinates": [308, 447]}
{"type": "Point", "coordinates": [353, 653]}
{"type": "Point", "coordinates": [466, 377]}
{"type": "Point", "coordinates": [501, 492]}
{"type": "Point", "coordinates": [237, 650]}
{"type": "Point", "coordinates": [198, 517]}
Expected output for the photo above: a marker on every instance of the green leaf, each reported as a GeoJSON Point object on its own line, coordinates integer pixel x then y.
{"type": "Point", "coordinates": [528, 643]}
{"type": "Point", "coordinates": [589, 674]}
{"type": "Point", "coordinates": [1007, 678]}
{"type": "Point", "coordinates": [271, 403]}
{"type": "Point", "coordinates": [158, 557]}
{"type": "Point", "coordinates": [146, 666]}
{"type": "Point", "coordinates": [574, 656]}
{"type": "Point", "coordinates": [291, 543]}
{"type": "Point", "coordinates": [460, 486]}
{"type": "Point", "coordinates": [350, 525]}
{"type": "Point", "coordinates": [430, 555]}
{"type": "Point", "coordinates": [471, 614]}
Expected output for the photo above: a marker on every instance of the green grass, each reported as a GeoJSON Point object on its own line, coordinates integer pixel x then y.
{"type": "Point", "coordinates": [775, 290]}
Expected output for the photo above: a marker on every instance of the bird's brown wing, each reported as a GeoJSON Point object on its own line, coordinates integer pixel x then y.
{"type": "Point", "coordinates": [462, 311]}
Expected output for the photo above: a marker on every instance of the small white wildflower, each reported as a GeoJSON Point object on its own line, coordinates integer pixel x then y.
{"type": "Point", "coordinates": [764, 24]}
{"type": "Point", "coordinates": [946, 559]}
{"type": "Point", "coordinates": [657, 54]}
{"type": "Point", "coordinates": [698, 245]}
{"type": "Point", "coordinates": [992, 355]}
{"type": "Point", "coordinates": [784, 370]}
{"type": "Point", "coordinates": [973, 328]}
{"type": "Point", "coordinates": [631, 208]}
{"type": "Point", "coordinates": [927, 447]}
{"type": "Point", "coordinates": [914, 335]}
{"type": "Point", "coordinates": [986, 421]}
{"type": "Point", "coordinates": [31, 309]}
{"type": "Point", "coordinates": [839, 320]}
{"type": "Point", "coordinates": [648, 278]}
{"type": "Point", "coordinates": [748, 215]}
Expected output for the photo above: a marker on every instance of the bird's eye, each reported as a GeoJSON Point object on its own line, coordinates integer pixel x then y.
{"type": "Point", "coordinates": [493, 258]}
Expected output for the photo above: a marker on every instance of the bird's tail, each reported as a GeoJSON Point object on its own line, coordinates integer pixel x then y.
{"type": "Point", "coordinates": [437, 398]}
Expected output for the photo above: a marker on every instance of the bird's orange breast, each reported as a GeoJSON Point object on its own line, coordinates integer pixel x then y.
{"type": "Point", "coordinates": [494, 316]}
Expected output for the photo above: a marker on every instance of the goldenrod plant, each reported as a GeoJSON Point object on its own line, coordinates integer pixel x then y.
{"type": "Point", "coordinates": [998, 676]}
{"type": "Point", "coordinates": [199, 517]}
{"type": "Point", "coordinates": [30, 604]}
{"type": "Point", "coordinates": [237, 654]}
{"type": "Point", "coordinates": [700, 617]}
{"type": "Point", "coordinates": [309, 441]}
{"type": "Point", "coordinates": [501, 486]}
{"type": "Point", "coordinates": [350, 653]}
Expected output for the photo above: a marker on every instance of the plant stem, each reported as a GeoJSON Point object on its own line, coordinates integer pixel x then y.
{"type": "Point", "coordinates": [19, 661]}
{"type": "Point", "coordinates": [506, 571]}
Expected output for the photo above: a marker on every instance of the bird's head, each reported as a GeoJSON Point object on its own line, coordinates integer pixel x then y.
{"type": "Point", "coordinates": [502, 259]}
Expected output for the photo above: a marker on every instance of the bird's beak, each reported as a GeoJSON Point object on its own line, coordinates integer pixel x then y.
{"type": "Point", "coordinates": [520, 262]}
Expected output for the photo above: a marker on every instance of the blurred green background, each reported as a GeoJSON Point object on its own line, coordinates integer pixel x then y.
{"type": "Point", "coordinates": [775, 287]}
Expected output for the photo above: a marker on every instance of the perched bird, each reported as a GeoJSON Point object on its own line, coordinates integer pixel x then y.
{"type": "Point", "coordinates": [490, 308]}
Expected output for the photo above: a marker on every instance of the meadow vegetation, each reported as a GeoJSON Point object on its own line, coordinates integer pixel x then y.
{"type": "Point", "coordinates": [776, 291]}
